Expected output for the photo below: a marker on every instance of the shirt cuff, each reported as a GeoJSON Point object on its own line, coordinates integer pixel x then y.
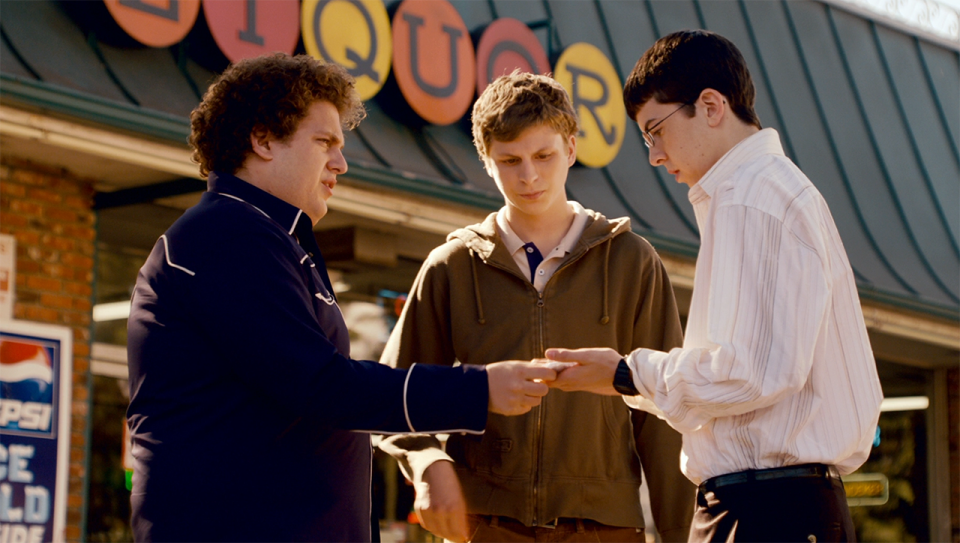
{"type": "Point", "coordinates": [644, 372]}
{"type": "Point", "coordinates": [643, 404]}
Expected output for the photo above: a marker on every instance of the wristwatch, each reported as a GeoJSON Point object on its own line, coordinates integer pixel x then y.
{"type": "Point", "coordinates": [623, 380]}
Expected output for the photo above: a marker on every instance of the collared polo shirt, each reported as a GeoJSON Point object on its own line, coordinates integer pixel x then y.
{"type": "Point", "coordinates": [551, 259]}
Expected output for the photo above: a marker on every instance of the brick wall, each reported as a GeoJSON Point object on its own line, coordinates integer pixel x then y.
{"type": "Point", "coordinates": [50, 215]}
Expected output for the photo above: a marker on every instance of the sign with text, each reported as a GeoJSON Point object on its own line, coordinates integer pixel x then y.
{"type": "Point", "coordinates": [8, 274]}
{"type": "Point", "coordinates": [426, 44]}
{"type": "Point", "coordinates": [506, 45]}
{"type": "Point", "coordinates": [433, 60]}
{"type": "Point", "coordinates": [250, 28]}
{"type": "Point", "coordinates": [35, 377]}
{"type": "Point", "coordinates": [352, 33]}
{"type": "Point", "coordinates": [157, 23]}
{"type": "Point", "coordinates": [866, 489]}
{"type": "Point", "coordinates": [595, 91]}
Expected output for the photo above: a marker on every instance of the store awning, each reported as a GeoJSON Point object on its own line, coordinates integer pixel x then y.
{"type": "Point", "coordinates": [869, 112]}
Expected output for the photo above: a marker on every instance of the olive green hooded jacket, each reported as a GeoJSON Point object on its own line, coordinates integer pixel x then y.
{"type": "Point", "coordinates": [578, 454]}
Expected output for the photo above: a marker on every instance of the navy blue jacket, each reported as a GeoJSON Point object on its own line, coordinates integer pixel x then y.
{"type": "Point", "coordinates": [248, 417]}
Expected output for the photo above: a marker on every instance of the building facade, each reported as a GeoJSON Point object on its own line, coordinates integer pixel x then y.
{"type": "Point", "coordinates": [94, 106]}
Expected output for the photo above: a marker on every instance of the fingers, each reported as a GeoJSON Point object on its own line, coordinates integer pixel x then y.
{"type": "Point", "coordinates": [580, 355]}
{"type": "Point", "coordinates": [533, 371]}
{"type": "Point", "coordinates": [516, 387]}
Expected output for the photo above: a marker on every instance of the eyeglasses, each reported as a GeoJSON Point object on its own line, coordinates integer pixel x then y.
{"type": "Point", "coordinates": [648, 134]}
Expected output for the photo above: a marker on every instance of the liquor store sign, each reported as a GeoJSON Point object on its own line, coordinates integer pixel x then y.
{"type": "Point", "coordinates": [35, 377]}
{"type": "Point", "coordinates": [427, 46]}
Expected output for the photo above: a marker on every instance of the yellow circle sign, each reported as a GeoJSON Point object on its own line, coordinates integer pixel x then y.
{"type": "Point", "coordinates": [595, 90]}
{"type": "Point", "coordinates": [352, 33]}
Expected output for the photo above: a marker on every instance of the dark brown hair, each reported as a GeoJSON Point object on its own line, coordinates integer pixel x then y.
{"type": "Point", "coordinates": [677, 68]}
{"type": "Point", "coordinates": [515, 102]}
{"type": "Point", "coordinates": [270, 93]}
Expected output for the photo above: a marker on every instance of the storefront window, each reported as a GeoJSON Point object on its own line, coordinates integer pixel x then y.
{"type": "Point", "coordinates": [900, 455]}
{"type": "Point", "coordinates": [371, 297]}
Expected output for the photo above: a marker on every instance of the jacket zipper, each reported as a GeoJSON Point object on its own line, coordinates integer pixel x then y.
{"type": "Point", "coordinates": [539, 438]}
{"type": "Point", "coordinates": [539, 434]}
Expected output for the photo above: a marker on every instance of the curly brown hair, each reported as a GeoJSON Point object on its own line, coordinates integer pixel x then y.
{"type": "Point", "coordinates": [515, 102]}
{"type": "Point", "coordinates": [269, 93]}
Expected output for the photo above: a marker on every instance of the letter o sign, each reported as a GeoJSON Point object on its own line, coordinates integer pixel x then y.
{"type": "Point", "coordinates": [253, 27]}
{"type": "Point", "coordinates": [157, 24]}
{"type": "Point", "coordinates": [508, 44]}
{"type": "Point", "coordinates": [594, 88]}
{"type": "Point", "coordinates": [353, 33]}
{"type": "Point", "coordinates": [433, 60]}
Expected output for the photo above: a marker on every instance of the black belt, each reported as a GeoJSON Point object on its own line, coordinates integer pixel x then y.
{"type": "Point", "coordinates": [802, 471]}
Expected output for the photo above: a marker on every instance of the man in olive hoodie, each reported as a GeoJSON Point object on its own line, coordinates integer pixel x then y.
{"type": "Point", "coordinates": [541, 272]}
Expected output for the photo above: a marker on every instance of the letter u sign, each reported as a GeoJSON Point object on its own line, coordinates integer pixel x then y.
{"type": "Point", "coordinates": [433, 60]}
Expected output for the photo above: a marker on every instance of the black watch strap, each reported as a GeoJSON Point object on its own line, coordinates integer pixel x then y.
{"type": "Point", "coordinates": [623, 380]}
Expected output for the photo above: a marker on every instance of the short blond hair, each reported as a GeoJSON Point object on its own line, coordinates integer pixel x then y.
{"type": "Point", "coordinates": [515, 102]}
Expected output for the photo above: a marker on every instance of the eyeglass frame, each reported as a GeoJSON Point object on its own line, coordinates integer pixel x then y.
{"type": "Point", "coordinates": [648, 134]}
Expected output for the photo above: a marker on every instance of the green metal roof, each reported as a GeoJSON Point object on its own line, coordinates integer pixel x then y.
{"type": "Point", "coordinates": [870, 113]}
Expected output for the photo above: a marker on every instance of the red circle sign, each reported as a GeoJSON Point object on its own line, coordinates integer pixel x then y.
{"type": "Point", "coordinates": [157, 24]}
{"type": "Point", "coordinates": [433, 60]}
{"type": "Point", "coordinates": [251, 28]}
{"type": "Point", "coordinates": [506, 45]}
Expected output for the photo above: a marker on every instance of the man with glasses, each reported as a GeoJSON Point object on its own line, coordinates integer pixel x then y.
{"type": "Point", "coordinates": [775, 389]}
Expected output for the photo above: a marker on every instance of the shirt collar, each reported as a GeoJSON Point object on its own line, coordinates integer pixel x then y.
{"type": "Point", "coordinates": [286, 215]}
{"type": "Point", "coordinates": [513, 243]}
{"type": "Point", "coordinates": [764, 142]}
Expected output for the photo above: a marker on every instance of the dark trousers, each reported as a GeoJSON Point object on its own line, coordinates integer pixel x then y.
{"type": "Point", "coordinates": [506, 530]}
{"type": "Point", "coordinates": [779, 510]}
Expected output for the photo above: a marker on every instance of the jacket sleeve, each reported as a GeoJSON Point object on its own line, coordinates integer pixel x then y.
{"type": "Point", "coordinates": [422, 336]}
{"type": "Point", "coordinates": [252, 300]}
{"type": "Point", "coordinates": [672, 495]}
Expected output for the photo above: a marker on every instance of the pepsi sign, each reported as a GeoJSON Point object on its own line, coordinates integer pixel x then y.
{"type": "Point", "coordinates": [35, 373]}
{"type": "Point", "coordinates": [26, 386]}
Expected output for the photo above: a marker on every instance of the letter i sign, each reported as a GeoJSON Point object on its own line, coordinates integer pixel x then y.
{"type": "Point", "coordinates": [156, 24]}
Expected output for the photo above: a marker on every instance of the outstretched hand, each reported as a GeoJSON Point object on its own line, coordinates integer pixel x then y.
{"type": "Point", "coordinates": [593, 371]}
{"type": "Point", "coordinates": [517, 387]}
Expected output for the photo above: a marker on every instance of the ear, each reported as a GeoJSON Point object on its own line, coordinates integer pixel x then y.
{"type": "Point", "coordinates": [571, 150]}
{"type": "Point", "coordinates": [260, 143]}
{"type": "Point", "coordinates": [715, 106]}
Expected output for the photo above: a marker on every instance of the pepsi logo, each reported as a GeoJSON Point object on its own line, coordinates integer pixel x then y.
{"type": "Point", "coordinates": [26, 387]}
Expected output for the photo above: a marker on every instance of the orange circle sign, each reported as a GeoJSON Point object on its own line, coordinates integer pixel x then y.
{"type": "Point", "coordinates": [157, 23]}
{"type": "Point", "coordinates": [433, 60]}
{"type": "Point", "coordinates": [594, 88]}
{"type": "Point", "coordinates": [249, 28]}
{"type": "Point", "coordinates": [508, 44]}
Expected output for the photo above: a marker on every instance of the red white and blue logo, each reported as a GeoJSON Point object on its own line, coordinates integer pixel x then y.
{"type": "Point", "coordinates": [26, 387]}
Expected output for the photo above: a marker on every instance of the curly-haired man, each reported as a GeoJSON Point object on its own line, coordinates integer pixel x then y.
{"type": "Point", "coordinates": [242, 395]}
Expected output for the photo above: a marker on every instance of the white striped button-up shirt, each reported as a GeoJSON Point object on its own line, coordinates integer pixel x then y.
{"type": "Point", "coordinates": [776, 368]}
